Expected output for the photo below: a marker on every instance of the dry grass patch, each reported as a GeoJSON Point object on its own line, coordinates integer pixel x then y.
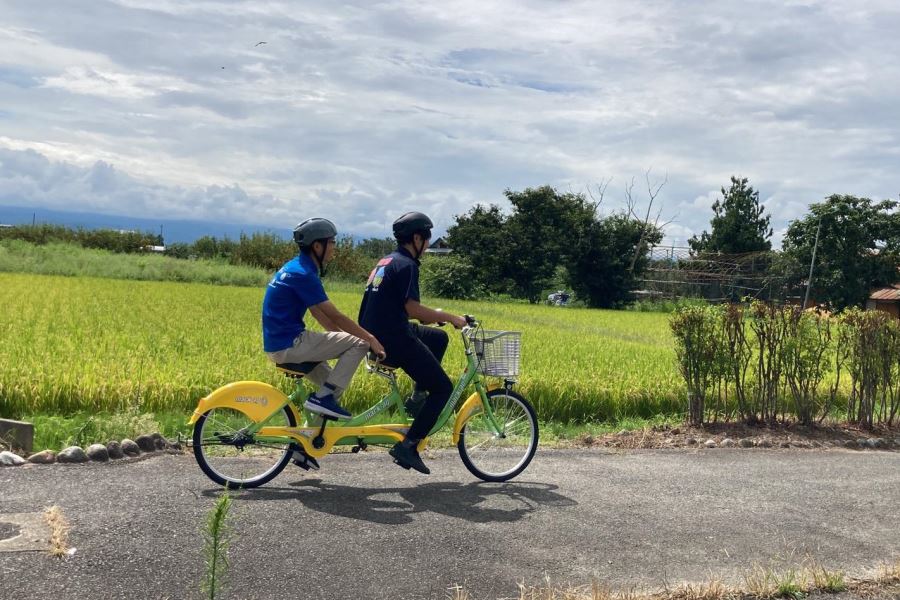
{"type": "Point", "coordinates": [59, 531]}
{"type": "Point", "coordinates": [889, 573]}
{"type": "Point", "coordinates": [760, 583]}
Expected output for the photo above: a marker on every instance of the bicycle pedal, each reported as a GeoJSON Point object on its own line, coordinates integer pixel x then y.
{"type": "Point", "coordinates": [306, 463]}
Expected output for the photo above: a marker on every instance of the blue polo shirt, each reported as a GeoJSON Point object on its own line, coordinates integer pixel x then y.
{"type": "Point", "coordinates": [293, 289]}
{"type": "Point", "coordinates": [393, 281]}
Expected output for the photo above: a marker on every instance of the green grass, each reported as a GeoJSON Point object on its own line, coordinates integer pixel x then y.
{"type": "Point", "coordinates": [71, 260]}
{"type": "Point", "coordinates": [81, 344]}
{"type": "Point", "coordinates": [55, 431]}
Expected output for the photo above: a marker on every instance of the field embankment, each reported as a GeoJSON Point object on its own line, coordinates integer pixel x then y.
{"type": "Point", "coordinates": [57, 258]}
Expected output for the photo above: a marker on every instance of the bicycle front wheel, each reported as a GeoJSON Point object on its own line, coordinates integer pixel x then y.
{"type": "Point", "coordinates": [231, 457]}
{"type": "Point", "coordinates": [499, 456]}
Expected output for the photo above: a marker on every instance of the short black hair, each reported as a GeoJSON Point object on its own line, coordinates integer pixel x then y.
{"type": "Point", "coordinates": [407, 238]}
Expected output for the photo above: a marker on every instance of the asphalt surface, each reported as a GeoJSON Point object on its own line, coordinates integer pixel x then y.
{"type": "Point", "coordinates": [363, 528]}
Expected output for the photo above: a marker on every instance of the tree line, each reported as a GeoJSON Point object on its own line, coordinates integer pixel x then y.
{"type": "Point", "coordinates": [856, 242]}
{"type": "Point", "coordinates": [548, 240]}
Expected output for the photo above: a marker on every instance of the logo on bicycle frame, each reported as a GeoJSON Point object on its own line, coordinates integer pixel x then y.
{"type": "Point", "coordinates": [261, 400]}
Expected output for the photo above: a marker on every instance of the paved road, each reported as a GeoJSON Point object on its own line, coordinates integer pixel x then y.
{"type": "Point", "coordinates": [363, 528]}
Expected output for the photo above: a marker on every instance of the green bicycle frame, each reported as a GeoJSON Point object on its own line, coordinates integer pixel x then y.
{"type": "Point", "coordinates": [392, 398]}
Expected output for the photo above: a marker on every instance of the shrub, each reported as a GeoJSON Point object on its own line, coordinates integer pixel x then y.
{"type": "Point", "coordinates": [450, 277]}
{"type": "Point", "coordinates": [806, 354]}
{"type": "Point", "coordinates": [872, 343]}
{"type": "Point", "coordinates": [698, 348]}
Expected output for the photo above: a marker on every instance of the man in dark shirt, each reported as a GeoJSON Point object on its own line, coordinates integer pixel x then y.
{"type": "Point", "coordinates": [391, 299]}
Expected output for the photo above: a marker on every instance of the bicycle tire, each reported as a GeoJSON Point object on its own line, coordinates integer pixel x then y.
{"type": "Point", "coordinates": [237, 482]}
{"type": "Point", "coordinates": [475, 461]}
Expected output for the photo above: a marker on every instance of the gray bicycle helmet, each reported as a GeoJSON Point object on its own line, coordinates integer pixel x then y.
{"type": "Point", "coordinates": [412, 223]}
{"type": "Point", "coordinates": [312, 230]}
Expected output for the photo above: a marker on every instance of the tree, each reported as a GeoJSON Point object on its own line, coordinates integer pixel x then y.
{"type": "Point", "coordinates": [609, 258]}
{"type": "Point", "coordinates": [738, 224]}
{"type": "Point", "coordinates": [480, 236]}
{"type": "Point", "coordinates": [266, 250]}
{"type": "Point", "coordinates": [554, 240]}
{"type": "Point", "coordinates": [543, 232]}
{"type": "Point", "coordinates": [376, 247]}
{"type": "Point", "coordinates": [450, 277]}
{"type": "Point", "coordinates": [859, 248]}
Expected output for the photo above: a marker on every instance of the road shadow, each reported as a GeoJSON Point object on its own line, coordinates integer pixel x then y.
{"type": "Point", "coordinates": [476, 502]}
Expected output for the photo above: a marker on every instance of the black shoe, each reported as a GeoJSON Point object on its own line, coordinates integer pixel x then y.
{"type": "Point", "coordinates": [408, 458]}
{"type": "Point", "coordinates": [304, 460]}
{"type": "Point", "coordinates": [414, 403]}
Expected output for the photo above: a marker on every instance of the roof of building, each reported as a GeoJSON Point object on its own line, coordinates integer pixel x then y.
{"type": "Point", "coordinates": [891, 293]}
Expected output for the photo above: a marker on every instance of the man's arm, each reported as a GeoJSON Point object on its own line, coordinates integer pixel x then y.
{"type": "Point", "coordinates": [323, 319]}
{"type": "Point", "coordinates": [423, 314]}
{"type": "Point", "coordinates": [330, 314]}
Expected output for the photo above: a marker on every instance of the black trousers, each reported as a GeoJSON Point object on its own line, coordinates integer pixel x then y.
{"type": "Point", "coordinates": [419, 355]}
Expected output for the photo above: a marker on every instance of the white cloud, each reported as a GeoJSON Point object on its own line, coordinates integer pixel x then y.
{"type": "Point", "coordinates": [365, 110]}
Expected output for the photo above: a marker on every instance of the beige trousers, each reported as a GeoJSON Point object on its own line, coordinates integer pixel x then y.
{"type": "Point", "coordinates": [314, 346]}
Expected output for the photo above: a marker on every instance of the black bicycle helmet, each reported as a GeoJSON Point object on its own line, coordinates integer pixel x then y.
{"type": "Point", "coordinates": [412, 223]}
{"type": "Point", "coordinates": [312, 230]}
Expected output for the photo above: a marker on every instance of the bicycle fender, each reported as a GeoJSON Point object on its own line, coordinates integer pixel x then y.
{"type": "Point", "coordinates": [255, 399]}
{"type": "Point", "coordinates": [470, 407]}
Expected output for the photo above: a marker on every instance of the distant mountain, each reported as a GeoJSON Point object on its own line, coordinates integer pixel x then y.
{"type": "Point", "coordinates": [172, 230]}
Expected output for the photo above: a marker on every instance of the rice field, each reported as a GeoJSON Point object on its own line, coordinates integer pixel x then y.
{"type": "Point", "coordinates": [72, 344]}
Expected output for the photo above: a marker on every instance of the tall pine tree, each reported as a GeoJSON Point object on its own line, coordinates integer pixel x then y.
{"type": "Point", "coordinates": [738, 224]}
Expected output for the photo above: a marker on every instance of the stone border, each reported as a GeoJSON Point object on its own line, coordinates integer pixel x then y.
{"type": "Point", "coordinates": [112, 451]}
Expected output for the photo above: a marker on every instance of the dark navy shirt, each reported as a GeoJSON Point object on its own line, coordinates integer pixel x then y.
{"type": "Point", "coordinates": [293, 289]}
{"type": "Point", "coordinates": [393, 281]}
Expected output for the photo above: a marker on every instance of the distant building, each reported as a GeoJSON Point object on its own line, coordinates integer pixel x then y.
{"type": "Point", "coordinates": [885, 299]}
{"type": "Point", "coordinates": [440, 247]}
{"type": "Point", "coordinates": [154, 248]}
{"type": "Point", "coordinates": [6, 225]}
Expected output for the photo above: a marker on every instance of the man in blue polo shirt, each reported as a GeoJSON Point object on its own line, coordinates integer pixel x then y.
{"type": "Point", "coordinates": [297, 287]}
{"type": "Point", "coordinates": [390, 301]}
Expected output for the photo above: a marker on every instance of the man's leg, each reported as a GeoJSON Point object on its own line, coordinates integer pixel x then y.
{"type": "Point", "coordinates": [414, 357]}
{"type": "Point", "coordinates": [315, 346]}
{"type": "Point", "coordinates": [422, 366]}
{"type": "Point", "coordinates": [436, 340]}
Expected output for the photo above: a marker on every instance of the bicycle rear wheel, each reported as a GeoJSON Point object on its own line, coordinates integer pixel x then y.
{"type": "Point", "coordinates": [231, 457]}
{"type": "Point", "coordinates": [493, 456]}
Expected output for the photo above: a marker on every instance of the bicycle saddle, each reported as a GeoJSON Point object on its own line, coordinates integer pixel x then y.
{"type": "Point", "coordinates": [297, 370]}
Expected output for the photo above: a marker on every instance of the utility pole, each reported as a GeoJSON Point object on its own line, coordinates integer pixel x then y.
{"type": "Point", "coordinates": [811, 264]}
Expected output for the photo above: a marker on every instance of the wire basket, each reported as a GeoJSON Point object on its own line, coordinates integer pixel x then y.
{"type": "Point", "coordinates": [498, 352]}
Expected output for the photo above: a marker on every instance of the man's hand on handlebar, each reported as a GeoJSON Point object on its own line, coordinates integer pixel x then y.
{"type": "Point", "coordinates": [376, 347]}
{"type": "Point", "coordinates": [455, 320]}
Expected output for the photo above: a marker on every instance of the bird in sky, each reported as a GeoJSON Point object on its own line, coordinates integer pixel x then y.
{"type": "Point", "coordinates": [259, 44]}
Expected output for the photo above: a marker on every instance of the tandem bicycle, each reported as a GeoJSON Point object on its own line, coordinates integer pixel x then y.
{"type": "Point", "coordinates": [245, 433]}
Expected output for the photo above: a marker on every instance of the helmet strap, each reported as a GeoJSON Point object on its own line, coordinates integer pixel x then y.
{"type": "Point", "coordinates": [320, 258]}
{"type": "Point", "coordinates": [420, 248]}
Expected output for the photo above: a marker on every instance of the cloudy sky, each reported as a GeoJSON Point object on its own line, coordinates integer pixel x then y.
{"type": "Point", "coordinates": [361, 111]}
